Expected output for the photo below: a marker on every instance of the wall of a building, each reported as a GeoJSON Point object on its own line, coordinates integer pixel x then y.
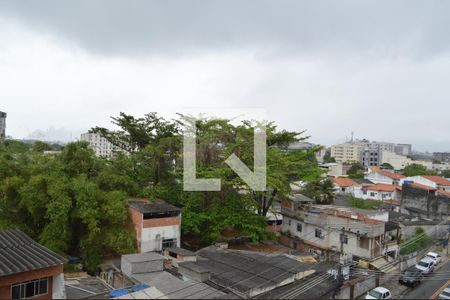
{"type": "Point", "coordinates": [152, 237]}
{"type": "Point", "coordinates": [7, 281]}
{"type": "Point", "coordinates": [331, 240]}
{"type": "Point", "coordinates": [378, 178]}
{"type": "Point", "coordinates": [399, 162]}
{"type": "Point", "coordinates": [420, 180]}
{"type": "Point", "coordinates": [136, 217]}
{"type": "Point", "coordinates": [58, 288]}
{"type": "Point", "coordinates": [424, 204]}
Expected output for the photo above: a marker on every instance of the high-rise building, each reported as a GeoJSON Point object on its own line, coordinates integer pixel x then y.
{"type": "Point", "coordinates": [403, 149]}
{"type": "Point", "coordinates": [2, 124]}
{"type": "Point", "coordinates": [101, 146]}
{"type": "Point", "coordinates": [347, 153]}
{"type": "Point", "coordinates": [441, 156]}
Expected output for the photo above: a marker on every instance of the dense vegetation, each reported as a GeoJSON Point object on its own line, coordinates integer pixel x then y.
{"type": "Point", "coordinates": [417, 170]}
{"type": "Point", "coordinates": [419, 240]}
{"type": "Point", "coordinates": [76, 203]}
{"type": "Point", "coordinates": [355, 202]}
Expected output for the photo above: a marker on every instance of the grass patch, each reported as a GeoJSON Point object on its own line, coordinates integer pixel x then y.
{"type": "Point", "coordinates": [364, 204]}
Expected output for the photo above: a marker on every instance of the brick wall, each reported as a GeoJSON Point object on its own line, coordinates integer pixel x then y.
{"type": "Point", "coordinates": [158, 222]}
{"type": "Point", "coordinates": [136, 217]}
{"type": "Point", "coordinates": [7, 281]}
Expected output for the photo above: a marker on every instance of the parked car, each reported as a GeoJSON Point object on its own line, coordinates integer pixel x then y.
{"type": "Point", "coordinates": [435, 257]}
{"type": "Point", "coordinates": [379, 293]}
{"type": "Point", "coordinates": [425, 265]}
{"type": "Point", "coordinates": [411, 277]}
{"type": "Point", "coordinates": [445, 293]}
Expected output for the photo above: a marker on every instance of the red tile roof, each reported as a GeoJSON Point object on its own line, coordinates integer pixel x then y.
{"type": "Point", "coordinates": [444, 193]}
{"type": "Point", "coordinates": [393, 202]}
{"type": "Point", "coordinates": [382, 187]}
{"type": "Point", "coordinates": [438, 179]}
{"type": "Point", "coordinates": [344, 182]}
{"type": "Point", "coordinates": [391, 175]}
{"type": "Point", "coordinates": [422, 186]}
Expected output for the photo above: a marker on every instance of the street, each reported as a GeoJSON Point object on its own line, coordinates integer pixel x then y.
{"type": "Point", "coordinates": [431, 285]}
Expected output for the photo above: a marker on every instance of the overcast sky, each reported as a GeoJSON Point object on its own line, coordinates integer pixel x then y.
{"type": "Point", "coordinates": [378, 68]}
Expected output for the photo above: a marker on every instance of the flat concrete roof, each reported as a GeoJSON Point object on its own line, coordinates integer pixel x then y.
{"type": "Point", "coordinates": [143, 257]}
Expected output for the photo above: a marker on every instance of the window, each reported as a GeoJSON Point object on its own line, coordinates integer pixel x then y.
{"type": "Point", "coordinates": [169, 243]}
{"type": "Point", "coordinates": [372, 194]}
{"type": "Point", "coordinates": [299, 227]}
{"type": "Point", "coordinates": [28, 289]}
{"type": "Point", "coordinates": [318, 234]}
{"type": "Point", "coordinates": [289, 222]}
{"type": "Point", "coordinates": [344, 238]}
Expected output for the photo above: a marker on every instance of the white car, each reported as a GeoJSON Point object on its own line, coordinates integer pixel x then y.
{"type": "Point", "coordinates": [435, 257]}
{"type": "Point", "coordinates": [445, 293]}
{"type": "Point", "coordinates": [379, 293]}
{"type": "Point", "coordinates": [425, 265]}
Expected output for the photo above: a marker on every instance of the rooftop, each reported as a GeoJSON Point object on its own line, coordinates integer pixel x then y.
{"type": "Point", "coordinates": [246, 271]}
{"type": "Point", "coordinates": [19, 253]}
{"type": "Point", "coordinates": [438, 180]}
{"type": "Point", "coordinates": [344, 182]}
{"type": "Point", "coordinates": [174, 288]}
{"type": "Point", "coordinates": [356, 214]}
{"type": "Point", "coordinates": [391, 175]}
{"type": "Point", "coordinates": [143, 257]}
{"type": "Point", "coordinates": [382, 188]}
{"type": "Point", "coordinates": [180, 251]}
{"type": "Point", "coordinates": [155, 206]}
{"type": "Point", "coordinates": [421, 186]}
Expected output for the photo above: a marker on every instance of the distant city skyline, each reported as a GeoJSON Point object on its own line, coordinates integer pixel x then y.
{"type": "Point", "coordinates": [328, 68]}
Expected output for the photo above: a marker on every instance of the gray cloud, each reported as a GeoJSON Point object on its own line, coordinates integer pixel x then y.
{"type": "Point", "coordinates": [140, 27]}
{"type": "Point", "coordinates": [378, 68]}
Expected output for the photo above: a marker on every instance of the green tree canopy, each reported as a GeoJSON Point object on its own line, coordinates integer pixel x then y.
{"type": "Point", "coordinates": [416, 170]}
{"type": "Point", "coordinates": [72, 203]}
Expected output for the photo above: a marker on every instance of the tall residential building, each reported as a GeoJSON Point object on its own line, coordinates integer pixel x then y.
{"type": "Point", "coordinates": [403, 149]}
{"type": "Point", "coordinates": [101, 146]}
{"type": "Point", "coordinates": [347, 153]}
{"type": "Point", "coordinates": [370, 157]}
{"type": "Point", "coordinates": [2, 124]}
{"type": "Point", "coordinates": [441, 156]}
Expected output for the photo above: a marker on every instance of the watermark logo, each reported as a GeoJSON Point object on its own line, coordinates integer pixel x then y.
{"type": "Point", "coordinates": [255, 179]}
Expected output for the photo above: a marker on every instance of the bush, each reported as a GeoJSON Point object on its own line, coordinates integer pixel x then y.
{"type": "Point", "coordinates": [363, 204]}
{"type": "Point", "coordinates": [419, 240]}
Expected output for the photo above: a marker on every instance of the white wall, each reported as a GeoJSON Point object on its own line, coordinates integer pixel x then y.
{"type": "Point", "coordinates": [397, 161]}
{"type": "Point", "coordinates": [150, 240]}
{"type": "Point", "coordinates": [58, 289]}
{"type": "Point", "coordinates": [378, 178]}
{"type": "Point", "coordinates": [379, 195]}
{"type": "Point", "coordinates": [331, 237]}
{"type": "Point", "coordinates": [420, 180]}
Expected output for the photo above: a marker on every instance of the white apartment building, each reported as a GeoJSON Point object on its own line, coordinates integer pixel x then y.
{"type": "Point", "coordinates": [99, 144]}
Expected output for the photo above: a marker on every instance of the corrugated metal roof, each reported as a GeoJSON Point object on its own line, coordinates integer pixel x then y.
{"type": "Point", "coordinates": [19, 253]}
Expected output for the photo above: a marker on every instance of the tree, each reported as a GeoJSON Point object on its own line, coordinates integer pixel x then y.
{"type": "Point", "coordinates": [387, 166]}
{"type": "Point", "coordinates": [416, 170]}
{"type": "Point", "coordinates": [322, 191]}
{"type": "Point", "coordinates": [327, 158]}
{"type": "Point", "coordinates": [356, 170]}
{"type": "Point", "coordinates": [70, 203]}
{"type": "Point", "coordinates": [152, 142]}
{"type": "Point", "coordinates": [445, 173]}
